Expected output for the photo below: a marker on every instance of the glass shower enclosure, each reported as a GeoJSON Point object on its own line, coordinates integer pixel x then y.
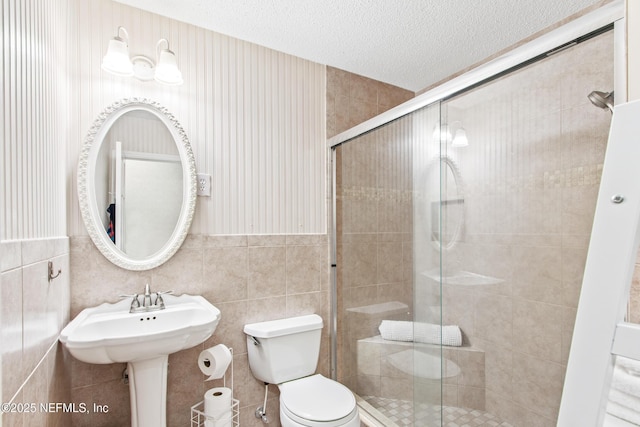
{"type": "Point", "coordinates": [461, 231]}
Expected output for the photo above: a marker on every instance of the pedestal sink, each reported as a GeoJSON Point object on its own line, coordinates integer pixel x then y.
{"type": "Point", "coordinates": [109, 333]}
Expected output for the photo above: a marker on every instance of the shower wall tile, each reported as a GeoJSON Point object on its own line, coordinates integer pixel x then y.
{"type": "Point", "coordinates": [568, 323]}
{"type": "Point", "coordinates": [527, 417]}
{"type": "Point", "coordinates": [573, 263]}
{"type": "Point", "coordinates": [352, 99]}
{"type": "Point", "coordinates": [472, 367]}
{"type": "Point", "coordinates": [450, 395]}
{"type": "Point", "coordinates": [401, 292]}
{"type": "Point", "coordinates": [360, 216]}
{"type": "Point", "coordinates": [471, 397]}
{"type": "Point", "coordinates": [368, 385]}
{"type": "Point", "coordinates": [494, 316]}
{"type": "Point", "coordinates": [359, 265]}
{"type": "Point", "coordinates": [531, 173]}
{"type": "Point", "coordinates": [396, 388]}
{"type": "Point", "coordinates": [458, 307]}
{"type": "Point", "coordinates": [537, 384]}
{"type": "Point", "coordinates": [390, 262]}
{"type": "Point", "coordinates": [537, 274]}
{"type": "Point", "coordinates": [536, 329]}
{"type": "Point", "coordinates": [375, 249]}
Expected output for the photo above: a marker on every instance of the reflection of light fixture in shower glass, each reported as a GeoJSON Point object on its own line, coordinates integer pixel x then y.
{"type": "Point", "coordinates": [455, 134]}
{"type": "Point", "coordinates": [441, 132]}
{"type": "Point", "coordinates": [460, 139]}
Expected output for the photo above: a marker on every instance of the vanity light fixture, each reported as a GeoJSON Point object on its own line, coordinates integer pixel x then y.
{"type": "Point", "coordinates": [117, 61]}
{"type": "Point", "coordinates": [167, 71]}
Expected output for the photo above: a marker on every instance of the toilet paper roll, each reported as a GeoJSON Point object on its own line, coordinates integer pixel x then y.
{"type": "Point", "coordinates": [217, 404]}
{"type": "Point", "coordinates": [214, 361]}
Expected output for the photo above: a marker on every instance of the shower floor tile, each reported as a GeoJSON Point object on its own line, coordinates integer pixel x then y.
{"type": "Point", "coordinates": [401, 412]}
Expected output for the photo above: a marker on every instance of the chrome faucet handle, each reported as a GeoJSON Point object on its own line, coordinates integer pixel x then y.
{"type": "Point", "coordinates": [159, 299]}
{"type": "Point", "coordinates": [135, 303]}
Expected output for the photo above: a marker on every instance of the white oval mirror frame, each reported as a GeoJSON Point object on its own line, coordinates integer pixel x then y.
{"type": "Point", "coordinates": [449, 171]}
{"type": "Point", "coordinates": [440, 170]}
{"type": "Point", "coordinates": [86, 183]}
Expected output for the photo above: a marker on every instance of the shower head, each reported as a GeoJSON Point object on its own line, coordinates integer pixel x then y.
{"type": "Point", "coordinates": [601, 99]}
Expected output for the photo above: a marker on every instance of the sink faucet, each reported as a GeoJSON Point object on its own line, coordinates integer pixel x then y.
{"type": "Point", "coordinates": [148, 304]}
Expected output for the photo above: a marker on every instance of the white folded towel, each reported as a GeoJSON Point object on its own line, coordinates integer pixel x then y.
{"type": "Point", "coordinates": [400, 330]}
{"type": "Point", "coordinates": [624, 395]}
{"type": "Point", "coordinates": [625, 380]}
{"type": "Point", "coordinates": [623, 412]}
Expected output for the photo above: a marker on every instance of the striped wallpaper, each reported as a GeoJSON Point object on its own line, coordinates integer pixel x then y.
{"type": "Point", "coordinates": [255, 118]}
{"type": "Point", "coordinates": [33, 119]}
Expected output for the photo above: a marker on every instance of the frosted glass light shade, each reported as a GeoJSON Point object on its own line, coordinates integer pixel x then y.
{"type": "Point", "coordinates": [167, 71]}
{"type": "Point", "coordinates": [117, 61]}
{"type": "Point", "coordinates": [441, 132]}
{"type": "Point", "coordinates": [460, 139]}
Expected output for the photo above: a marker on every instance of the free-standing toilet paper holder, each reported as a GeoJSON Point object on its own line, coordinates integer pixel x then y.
{"type": "Point", "coordinates": [200, 419]}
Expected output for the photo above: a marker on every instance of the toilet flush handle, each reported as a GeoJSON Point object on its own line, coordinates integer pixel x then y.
{"type": "Point", "coordinates": [255, 340]}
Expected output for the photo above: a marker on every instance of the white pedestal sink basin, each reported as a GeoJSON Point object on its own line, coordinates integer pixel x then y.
{"type": "Point", "coordinates": [109, 333]}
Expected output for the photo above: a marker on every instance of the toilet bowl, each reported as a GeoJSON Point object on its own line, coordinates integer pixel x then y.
{"type": "Point", "coordinates": [285, 352]}
{"type": "Point", "coordinates": [317, 401]}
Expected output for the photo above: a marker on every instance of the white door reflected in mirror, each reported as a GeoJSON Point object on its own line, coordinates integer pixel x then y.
{"type": "Point", "coordinates": [150, 204]}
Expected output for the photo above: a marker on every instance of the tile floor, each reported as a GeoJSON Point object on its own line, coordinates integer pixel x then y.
{"type": "Point", "coordinates": [401, 412]}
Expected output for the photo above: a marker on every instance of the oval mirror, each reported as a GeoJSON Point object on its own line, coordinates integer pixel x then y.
{"type": "Point", "coordinates": [137, 184]}
{"type": "Point", "coordinates": [446, 212]}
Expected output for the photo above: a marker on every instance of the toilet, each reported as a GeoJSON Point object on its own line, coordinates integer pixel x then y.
{"type": "Point", "coordinates": [285, 352]}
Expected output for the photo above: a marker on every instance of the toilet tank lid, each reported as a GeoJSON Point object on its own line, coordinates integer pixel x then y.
{"type": "Point", "coordinates": [291, 325]}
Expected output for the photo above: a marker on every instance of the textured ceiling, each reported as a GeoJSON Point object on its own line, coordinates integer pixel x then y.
{"type": "Point", "coordinates": [408, 43]}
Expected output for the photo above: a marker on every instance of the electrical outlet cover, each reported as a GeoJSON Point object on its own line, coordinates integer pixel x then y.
{"type": "Point", "coordinates": [204, 185]}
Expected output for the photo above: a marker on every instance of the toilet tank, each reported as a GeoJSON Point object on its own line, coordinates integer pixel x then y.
{"type": "Point", "coordinates": [284, 350]}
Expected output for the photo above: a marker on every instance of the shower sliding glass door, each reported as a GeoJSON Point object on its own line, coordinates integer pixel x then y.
{"type": "Point", "coordinates": [388, 232]}
{"type": "Point", "coordinates": [461, 234]}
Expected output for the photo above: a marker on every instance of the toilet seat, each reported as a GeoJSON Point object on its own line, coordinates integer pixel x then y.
{"type": "Point", "coordinates": [317, 401]}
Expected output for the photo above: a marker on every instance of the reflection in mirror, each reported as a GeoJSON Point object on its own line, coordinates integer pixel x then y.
{"type": "Point", "coordinates": [136, 184]}
{"type": "Point", "coordinates": [447, 213]}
